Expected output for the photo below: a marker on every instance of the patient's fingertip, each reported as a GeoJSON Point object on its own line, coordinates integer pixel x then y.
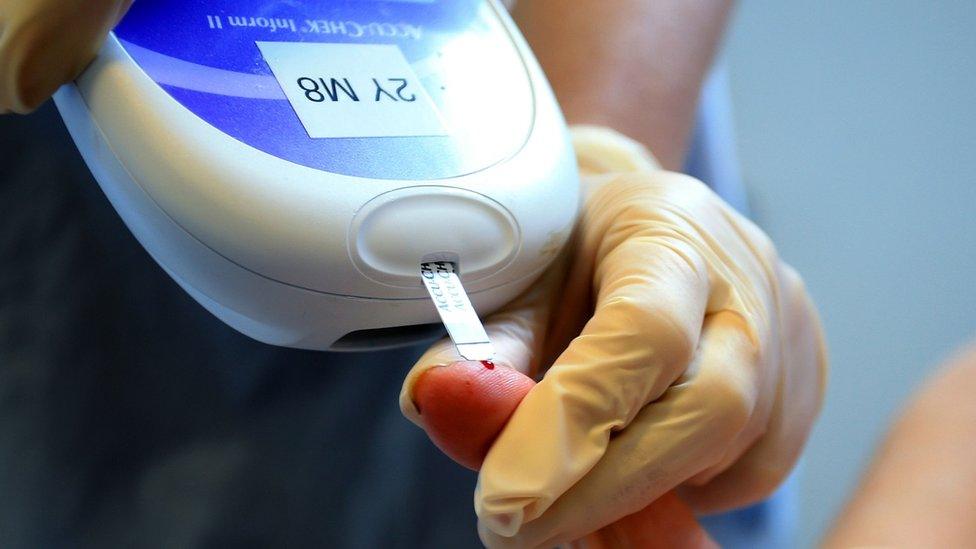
{"type": "Point", "coordinates": [464, 406]}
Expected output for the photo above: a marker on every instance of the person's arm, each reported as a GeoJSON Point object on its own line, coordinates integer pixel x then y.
{"type": "Point", "coordinates": [632, 65]}
{"type": "Point", "coordinates": [921, 489]}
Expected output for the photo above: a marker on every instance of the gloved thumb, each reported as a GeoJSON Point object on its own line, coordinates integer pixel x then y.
{"type": "Point", "coordinates": [45, 43]}
{"type": "Point", "coordinates": [464, 406]}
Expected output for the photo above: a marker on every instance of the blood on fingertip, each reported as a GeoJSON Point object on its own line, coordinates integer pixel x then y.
{"type": "Point", "coordinates": [488, 364]}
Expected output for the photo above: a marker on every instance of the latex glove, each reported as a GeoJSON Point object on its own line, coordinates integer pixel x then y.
{"type": "Point", "coordinates": [466, 405]}
{"type": "Point", "coordinates": [678, 351]}
{"type": "Point", "coordinates": [46, 43]}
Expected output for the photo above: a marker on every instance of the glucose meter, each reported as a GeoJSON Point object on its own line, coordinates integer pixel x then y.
{"type": "Point", "coordinates": [291, 164]}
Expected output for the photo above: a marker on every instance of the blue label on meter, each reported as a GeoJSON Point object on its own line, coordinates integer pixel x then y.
{"type": "Point", "coordinates": [389, 89]}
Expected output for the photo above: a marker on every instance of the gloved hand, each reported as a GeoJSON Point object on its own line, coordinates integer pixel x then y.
{"type": "Point", "coordinates": [46, 43]}
{"type": "Point", "coordinates": [678, 351]}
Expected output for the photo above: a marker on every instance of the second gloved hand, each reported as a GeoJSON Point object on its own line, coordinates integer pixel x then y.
{"type": "Point", "coordinates": [45, 43]}
{"type": "Point", "coordinates": [678, 351]}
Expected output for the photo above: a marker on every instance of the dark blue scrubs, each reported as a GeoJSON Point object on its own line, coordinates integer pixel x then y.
{"type": "Point", "coordinates": [129, 416]}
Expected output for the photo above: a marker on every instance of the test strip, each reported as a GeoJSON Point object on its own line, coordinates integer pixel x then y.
{"type": "Point", "coordinates": [462, 323]}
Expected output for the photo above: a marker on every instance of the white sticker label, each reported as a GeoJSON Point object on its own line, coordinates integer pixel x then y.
{"type": "Point", "coordinates": [353, 90]}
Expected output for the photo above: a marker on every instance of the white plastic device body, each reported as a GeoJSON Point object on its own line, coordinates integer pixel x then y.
{"type": "Point", "coordinates": [305, 257]}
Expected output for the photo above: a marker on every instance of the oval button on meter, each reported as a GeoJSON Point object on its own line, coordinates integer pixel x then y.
{"type": "Point", "coordinates": [394, 232]}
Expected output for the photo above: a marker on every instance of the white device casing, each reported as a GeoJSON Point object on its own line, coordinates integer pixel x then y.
{"type": "Point", "coordinates": [300, 257]}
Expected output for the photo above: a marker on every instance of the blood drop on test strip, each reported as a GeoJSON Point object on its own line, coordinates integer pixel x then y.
{"type": "Point", "coordinates": [462, 322]}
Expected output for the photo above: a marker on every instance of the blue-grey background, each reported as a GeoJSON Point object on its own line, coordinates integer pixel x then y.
{"type": "Point", "coordinates": [856, 125]}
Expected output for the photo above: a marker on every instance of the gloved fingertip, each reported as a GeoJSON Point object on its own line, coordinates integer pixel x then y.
{"type": "Point", "coordinates": [503, 524]}
{"type": "Point", "coordinates": [464, 406]}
